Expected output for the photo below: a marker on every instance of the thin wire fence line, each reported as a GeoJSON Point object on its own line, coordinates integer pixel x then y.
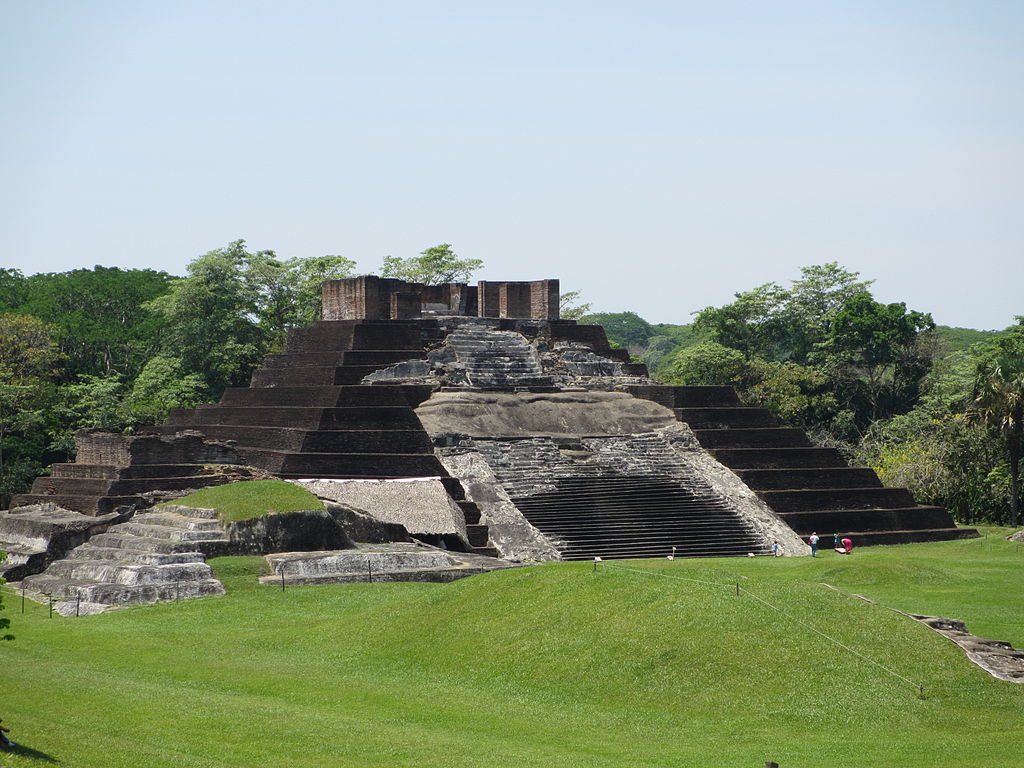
{"type": "Point", "coordinates": [778, 610]}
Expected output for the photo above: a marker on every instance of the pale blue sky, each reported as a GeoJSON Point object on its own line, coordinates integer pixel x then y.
{"type": "Point", "coordinates": [656, 156]}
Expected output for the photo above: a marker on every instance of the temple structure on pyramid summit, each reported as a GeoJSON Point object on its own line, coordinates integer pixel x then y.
{"type": "Point", "coordinates": [450, 429]}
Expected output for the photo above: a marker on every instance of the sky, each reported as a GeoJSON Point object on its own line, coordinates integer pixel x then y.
{"type": "Point", "coordinates": [656, 156]}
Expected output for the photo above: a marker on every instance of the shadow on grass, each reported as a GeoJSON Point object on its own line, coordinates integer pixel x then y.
{"type": "Point", "coordinates": [34, 754]}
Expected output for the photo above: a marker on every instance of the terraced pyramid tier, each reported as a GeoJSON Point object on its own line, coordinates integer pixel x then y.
{"type": "Point", "coordinates": [812, 489]}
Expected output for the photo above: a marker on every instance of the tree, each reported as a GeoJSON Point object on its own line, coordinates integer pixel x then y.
{"type": "Point", "coordinates": [28, 358]}
{"type": "Point", "coordinates": [776, 323]}
{"type": "Point", "coordinates": [878, 354]}
{"type": "Point", "coordinates": [756, 324]}
{"type": "Point", "coordinates": [162, 386]}
{"type": "Point", "coordinates": [999, 402]}
{"type": "Point", "coordinates": [434, 266]}
{"type": "Point", "coordinates": [569, 307]}
{"type": "Point", "coordinates": [212, 316]}
{"type": "Point", "coordinates": [235, 305]}
{"type": "Point", "coordinates": [307, 276]}
{"type": "Point", "coordinates": [12, 289]}
{"type": "Point", "coordinates": [627, 329]}
{"type": "Point", "coordinates": [707, 363]}
{"type": "Point", "coordinates": [100, 320]}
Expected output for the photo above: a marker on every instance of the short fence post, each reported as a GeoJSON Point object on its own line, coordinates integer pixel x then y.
{"type": "Point", "coordinates": [51, 605]}
{"type": "Point", "coordinates": [78, 605]}
{"type": "Point", "coordinates": [737, 589]}
{"type": "Point", "coordinates": [282, 578]}
{"type": "Point", "coordinates": [369, 570]}
{"type": "Point", "coordinates": [23, 597]}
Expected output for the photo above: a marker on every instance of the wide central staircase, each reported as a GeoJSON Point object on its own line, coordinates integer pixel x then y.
{"type": "Point", "coordinates": [634, 517]}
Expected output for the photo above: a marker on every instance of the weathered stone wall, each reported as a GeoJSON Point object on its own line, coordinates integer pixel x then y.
{"type": "Point", "coordinates": [422, 505]}
{"type": "Point", "coordinates": [368, 297]}
{"type": "Point", "coordinates": [108, 448]}
{"type": "Point", "coordinates": [510, 532]}
{"type": "Point", "coordinates": [524, 414]}
{"type": "Point", "coordinates": [291, 532]}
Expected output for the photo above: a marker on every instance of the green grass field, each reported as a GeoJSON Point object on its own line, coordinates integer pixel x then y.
{"type": "Point", "coordinates": [554, 665]}
{"type": "Point", "coordinates": [250, 498]}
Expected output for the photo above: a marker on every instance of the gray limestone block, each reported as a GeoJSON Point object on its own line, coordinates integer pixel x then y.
{"type": "Point", "coordinates": [421, 505]}
{"type": "Point", "coordinates": [363, 527]}
{"type": "Point", "coordinates": [522, 414]}
{"type": "Point", "coordinates": [287, 532]}
{"type": "Point", "coordinates": [38, 534]}
{"type": "Point", "coordinates": [510, 532]}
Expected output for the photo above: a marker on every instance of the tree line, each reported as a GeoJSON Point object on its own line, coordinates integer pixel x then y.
{"type": "Point", "coordinates": [117, 349]}
{"type": "Point", "coordinates": [935, 410]}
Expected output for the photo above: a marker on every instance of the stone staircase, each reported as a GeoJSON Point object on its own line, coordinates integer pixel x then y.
{"type": "Point", "coordinates": [636, 517]}
{"type": "Point", "coordinates": [497, 359]}
{"type": "Point", "coordinates": [154, 557]}
{"type": "Point", "coordinates": [810, 488]}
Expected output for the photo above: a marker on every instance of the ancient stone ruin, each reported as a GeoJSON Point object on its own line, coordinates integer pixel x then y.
{"type": "Point", "coordinates": [472, 418]}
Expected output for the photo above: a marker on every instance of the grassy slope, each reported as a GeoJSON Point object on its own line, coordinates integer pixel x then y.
{"type": "Point", "coordinates": [251, 498]}
{"type": "Point", "coordinates": [547, 666]}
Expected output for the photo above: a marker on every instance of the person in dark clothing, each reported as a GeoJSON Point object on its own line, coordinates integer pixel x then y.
{"type": "Point", "coordinates": [5, 743]}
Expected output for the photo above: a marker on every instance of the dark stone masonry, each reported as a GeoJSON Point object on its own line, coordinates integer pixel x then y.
{"type": "Point", "coordinates": [548, 443]}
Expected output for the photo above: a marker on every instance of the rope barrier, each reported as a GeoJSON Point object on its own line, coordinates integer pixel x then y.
{"type": "Point", "coordinates": [739, 589]}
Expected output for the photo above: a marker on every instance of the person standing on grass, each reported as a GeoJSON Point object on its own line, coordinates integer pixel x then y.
{"type": "Point", "coordinates": [813, 541]}
{"type": "Point", "coordinates": [847, 545]}
{"type": "Point", "coordinates": [775, 549]}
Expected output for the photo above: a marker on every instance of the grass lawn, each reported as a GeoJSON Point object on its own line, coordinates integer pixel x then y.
{"type": "Point", "coordinates": [251, 498]}
{"type": "Point", "coordinates": [554, 665]}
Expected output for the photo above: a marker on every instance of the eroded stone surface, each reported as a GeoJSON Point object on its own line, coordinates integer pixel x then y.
{"type": "Point", "coordinates": [527, 414]}
{"type": "Point", "coordinates": [34, 536]}
{"type": "Point", "coordinates": [375, 563]}
{"type": "Point", "coordinates": [998, 658]}
{"type": "Point", "coordinates": [421, 505]}
{"type": "Point", "coordinates": [510, 532]}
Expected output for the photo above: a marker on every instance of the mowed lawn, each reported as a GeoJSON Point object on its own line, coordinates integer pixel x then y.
{"type": "Point", "coordinates": [553, 665]}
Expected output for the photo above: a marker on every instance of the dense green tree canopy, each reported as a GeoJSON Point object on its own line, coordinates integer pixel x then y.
{"type": "Point", "coordinates": [99, 316]}
{"type": "Point", "coordinates": [627, 329]}
{"type": "Point", "coordinates": [998, 401]}
{"type": "Point", "coordinates": [28, 363]}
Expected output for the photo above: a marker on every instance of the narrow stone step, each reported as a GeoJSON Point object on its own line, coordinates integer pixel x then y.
{"type": "Point", "coordinates": [166, 532]}
{"type": "Point", "coordinates": [122, 594]}
{"type": "Point", "coordinates": [127, 556]}
{"type": "Point", "coordinates": [129, 575]}
{"type": "Point", "coordinates": [173, 520]}
{"type": "Point", "coordinates": [123, 540]}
